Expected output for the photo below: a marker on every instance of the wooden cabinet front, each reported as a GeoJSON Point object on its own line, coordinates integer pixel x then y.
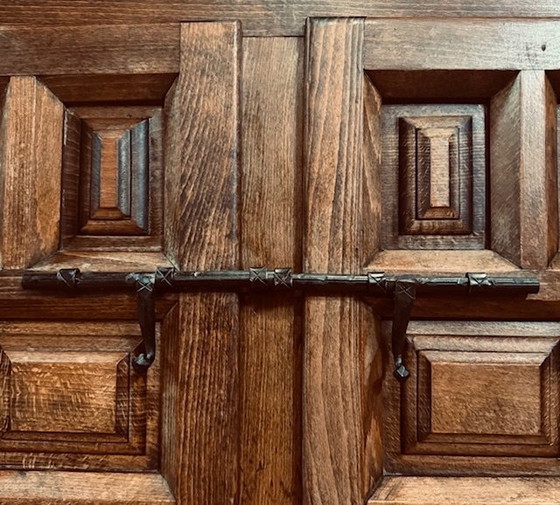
{"type": "Point", "coordinates": [344, 138]}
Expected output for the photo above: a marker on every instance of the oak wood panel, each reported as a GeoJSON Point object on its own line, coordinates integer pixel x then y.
{"type": "Point", "coordinates": [336, 468]}
{"type": "Point", "coordinates": [505, 157]}
{"type": "Point", "coordinates": [94, 88]}
{"type": "Point", "coordinates": [443, 261]}
{"type": "Point", "coordinates": [112, 178]}
{"type": "Point", "coordinates": [439, 86]}
{"type": "Point", "coordinates": [30, 156]}
{"type": "Point", "coordinates": [271, 235]}
{"type": "Point", "coordinates": [74, 400]}
{"type": "Point", "coordinates": [411, 218]}
{"type": "Point", "coordinates": [105, 261]}
{"type": "Point", "coordinates": [70, 184]}
{"type": "Point", "coordinates": [461, 44]}
{"type": "Point", "coordinates": [431, 429]}
{"type": "Point", "coordinates": [481, 397]}
{"type": "Point", "coordinates": [47, 397]}
{"type": "Point", "coordinates": [372, 167]}
{"type": "Point", "coordinates": [259, 17]}
{"type": "Point", "coordinates": [520, 396]}
{"type": "Point", "coordinates": [466, 491]}
{"type": "Point", "coordinates": [202, 148]}
{"type": "Point", "coordinates": [126, 49]}
{"type": "Point", "coordinates": [200, 427]}
{"type": "Point", "coordinates": [83, 488]}
{"type": "Point", "coordinates": [522, 174]}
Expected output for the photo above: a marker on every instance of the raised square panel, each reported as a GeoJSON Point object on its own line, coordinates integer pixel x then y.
{"type": "Point", "coordinates": [477, 389]}
{"type": "Point", "coordinates": [69, 396]}
{"type": "Point", "coordinates": [468, 400]}
{"type": "Point", "coordinates": [434, 176]}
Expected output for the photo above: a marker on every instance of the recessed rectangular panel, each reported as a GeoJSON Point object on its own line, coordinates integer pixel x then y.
{"type": "Point", "coordinates": [68, 393]}
{"type": "Point", "coordinates": [114, 180]}
{"type": "Point", "coordinates": [433, 177]}
{"type": "Point", "coordinates": [476, 389]}
{"type": "Point", "coordinates": [112, 183]}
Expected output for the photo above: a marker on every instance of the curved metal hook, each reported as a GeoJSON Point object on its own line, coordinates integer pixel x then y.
{"type": "Point", "coordinates": [404, 296]}
{"type": "Point", "coordinates": [146, 310]}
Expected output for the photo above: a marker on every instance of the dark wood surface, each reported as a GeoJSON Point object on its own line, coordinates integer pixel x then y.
{"type": "Point", "coordinates": [336, 348]}
{"type": "Point", "coordinates": [31, 153]}
{"type": "Point", "coordinates": [72, 399]}
{"type": "Point", "coordinates": [200, 410]}
{"type": "Point", "coordinates": [260, 17]}
{"type": "Point", "coordinates": [83, 488]}
{"type": "Point", "coordinates": [466, 491]}
{"type": "Point", "coordinates": [275, 152]}
{"type": "Point", "coordinates": [271, 329]}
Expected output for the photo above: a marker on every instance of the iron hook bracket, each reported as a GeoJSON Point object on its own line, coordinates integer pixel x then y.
{"type": "Point", "coordinates": [403, 290]}
{"type": "Point", "coordinates": [146, 311]}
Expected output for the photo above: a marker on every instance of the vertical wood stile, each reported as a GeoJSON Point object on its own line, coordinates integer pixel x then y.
{"type": "Point", "coordinates": [524, 225]}
{"type": "Point", "coordinates": [30, 165]}
{"type": "Point", "coordinates": [372, 169]}
{"type": "Point", "coordinates": [271, 227]}
{"type": "Point", "coordinates": [200, 437]}
{"type": "Point", "coordinates": [336, 329]}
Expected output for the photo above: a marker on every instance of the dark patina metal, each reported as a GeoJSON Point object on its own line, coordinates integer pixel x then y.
{"type": "Point", "coordinates": [403, 289]}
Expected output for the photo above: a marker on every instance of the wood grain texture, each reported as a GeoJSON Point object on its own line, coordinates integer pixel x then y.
{"type": "Point", "coordinates": [461, 44]}
{"type": "Point", "coordinates": [83, 488]}
{"type": "Point", "coordinates": [523, 174]}
{"type": "Point", "coordinates": [539, 178]}
{"type": "Point", "coordinates": [439, 86]}
{"type": "Point", "coordinates": [75, 401]}
{"type": "Point", "coordinates": [409, 219]}
{"type": "Point", "coordinates": [56, 392]}
{"type": "Point", "coordinates": [140, 49]}
{"type": "Point", "coordinates": [259, 17]}
{"type": "Point", "coordinates": [31, 157]}
{"type": "Point", "coordinates": [336, 468]}
{"type": "Point", "coordinates": [443, 261]}
{"type": "Point", "coordinates": [484, 389]}
{"type": "Point", "coordinates": [105, 261]}
{"type": "Point", "coordinates": [94, 88]}
{"type": "Point", "coordinates": [112, 178]}
{"type": "Point", "coordinates": [271, 235]}
{"type": "Point", "coordinates": [200, 430]}
{"type": "Point", "coordinates": [372, 168]}
{"type": "Point", "coordinates": [493, 396]}
{"type": "Point", "coordinates": [200, 425]}
{"type": "Point", "coordinates": [202, 149]}
{"type": "Point", "coordinates": [466, 491]}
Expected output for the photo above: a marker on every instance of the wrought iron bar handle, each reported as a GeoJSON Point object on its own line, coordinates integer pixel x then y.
{"type": "Point", "coordinates": [403, 289]}
{"type": "Point", "coordinates": [373, 283]}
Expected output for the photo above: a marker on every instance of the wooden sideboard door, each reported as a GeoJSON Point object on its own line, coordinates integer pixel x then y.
{"type": "Point", "coordinates": [430, 149]}
{"type": "Point", "coordinates": [396, 145]}
{"type": "Point", "coordinates": [119, 152]}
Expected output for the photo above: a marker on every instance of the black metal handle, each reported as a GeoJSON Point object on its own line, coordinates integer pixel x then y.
{"type": "Point", "coordinates": [405, 294]}
{"type": "Point", "coordinates": [404, 290]}
{"type": "Point", "coordinates": [146, 311]}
